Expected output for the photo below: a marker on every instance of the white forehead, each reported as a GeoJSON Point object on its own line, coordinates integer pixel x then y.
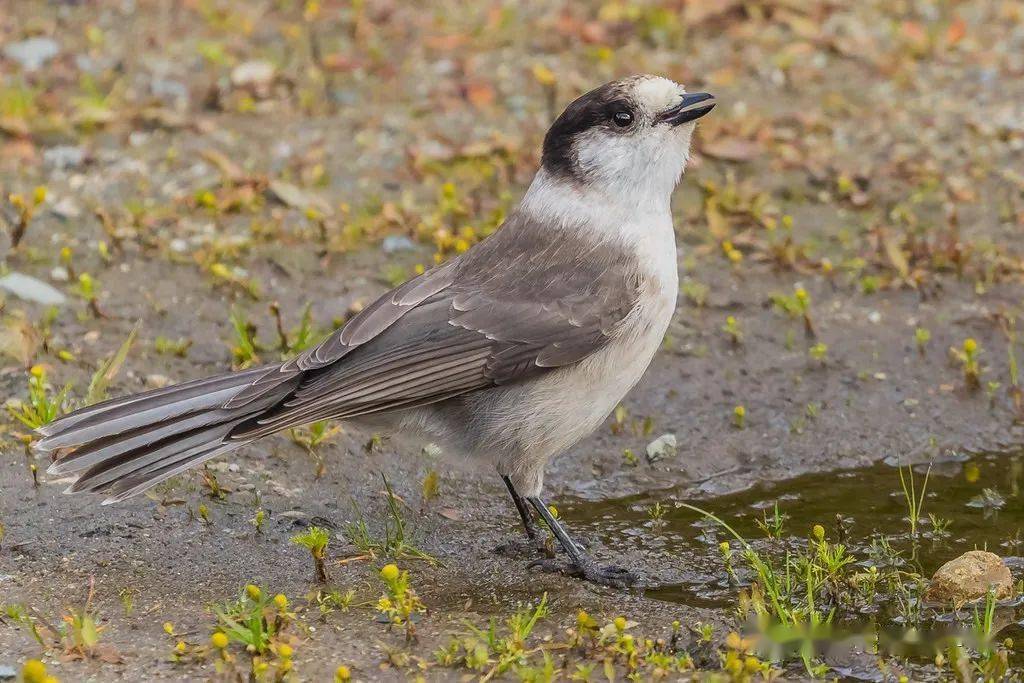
{"type": "Point", "coordinates": [655, 93]}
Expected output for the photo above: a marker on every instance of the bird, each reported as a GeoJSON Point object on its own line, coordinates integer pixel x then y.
{"type": "Point", "coordinates": [510, 352]}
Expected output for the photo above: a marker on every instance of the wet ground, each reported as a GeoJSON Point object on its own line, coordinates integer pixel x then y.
{"type": "Point", "coordinates": [869, 156]}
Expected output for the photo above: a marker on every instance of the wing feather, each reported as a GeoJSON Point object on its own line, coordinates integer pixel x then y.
{"type": "Point", "coordinates": [516, 305]}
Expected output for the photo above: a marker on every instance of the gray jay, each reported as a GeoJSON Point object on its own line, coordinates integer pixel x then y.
{"type": "Point", "coordinates": [513, 351]}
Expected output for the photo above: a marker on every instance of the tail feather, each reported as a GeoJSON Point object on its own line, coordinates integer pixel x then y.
{"type": "Point", "coordinates": [136, 463]}
{"type": "Point", "coordinates": [106, 448]}
{"type": "Point", "coordinates": [136, 484]}
{"type": "Point", "coordinates": [124, 446]}
{"type": "Point", "coordinates": [121, 415]}
{"type": "Point", "coordinates": [116, 407]}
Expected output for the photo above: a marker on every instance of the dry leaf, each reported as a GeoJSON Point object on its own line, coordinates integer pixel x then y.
{"type": "Point", "coordinates": [895, 254]}
{"type": "Point", "coordinates": [19, 339]}
{"type": "Point", "coordinates": [718, 225]}
{"type": "Point", "coordinates": [480, 95]}
{"type": "Point", "coordinates": [956, 31]}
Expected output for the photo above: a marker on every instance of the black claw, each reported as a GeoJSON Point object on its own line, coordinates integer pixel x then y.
{"type": "Point", "coordinates": [612, 576]}
{"type": "Point", "coordinates": [530, 547]}
{"type": "Point", "coordinates": [549, 565]}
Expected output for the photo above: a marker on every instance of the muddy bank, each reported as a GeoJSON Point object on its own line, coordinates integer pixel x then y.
{"type": "Point", "coordinates": [850, 218]}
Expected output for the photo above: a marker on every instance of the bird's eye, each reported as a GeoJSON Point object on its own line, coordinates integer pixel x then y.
{"type": "Point", "coordinates": [622, 118]}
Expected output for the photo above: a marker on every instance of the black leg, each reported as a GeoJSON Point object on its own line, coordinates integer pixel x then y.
{"type": "Point", "coordinates": [524, 512]}
{"type": "Point", "coordinates": [582, 564]}
{"type": "Point", "coordinates": [536, 542]}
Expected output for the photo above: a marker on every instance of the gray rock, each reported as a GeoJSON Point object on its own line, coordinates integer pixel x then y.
{"type": "Point", "coordinates": [66, 208]}
{"type": "Point", "coordinates": [393, 243]}
{"type": "Point", "coordinates": [297, 198]}
{"type": "Point", "coordinates": [7, 672]}
{"type": "Point", "coordinates": [169, 90]}
{"type": "Point", "coordinates": [662, 447]}
{"type": "Point", "coordinates": [32, 53]}
{"type": "Point", "coordinates": [32, 289]}
{"type": "Point", "coordinates": [63, 157]}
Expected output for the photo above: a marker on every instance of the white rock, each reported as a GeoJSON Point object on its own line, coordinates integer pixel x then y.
{"type": "Point", "coordinates": [662, 447]}
{"type": "Point", "coordinates": [63, 157]}
{"type": "Point", "coordinates": [255, 74]}
{"type": "Point", "coordinates": [32, 289]}
{"type": "Point", "coordinates": [33, 52]}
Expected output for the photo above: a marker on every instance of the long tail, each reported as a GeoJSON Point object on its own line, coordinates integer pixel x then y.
{"type": "Point", "coordinates": [126, 445]}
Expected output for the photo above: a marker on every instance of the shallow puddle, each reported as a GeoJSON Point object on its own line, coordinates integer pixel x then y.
{"type": "Point", "coordinates": [974, 503]}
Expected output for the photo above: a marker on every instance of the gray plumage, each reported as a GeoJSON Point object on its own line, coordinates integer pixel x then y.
{"type": "Point", "coordinates": [512, 351]}
{"type": "Point", "coordinates": [496, 315]}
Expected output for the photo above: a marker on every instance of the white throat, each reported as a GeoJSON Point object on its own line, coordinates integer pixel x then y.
{"type": "Point", "coordinates": [641, 222]}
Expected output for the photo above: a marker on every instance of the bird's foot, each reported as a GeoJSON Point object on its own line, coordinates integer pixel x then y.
{"type": "Point", "coordinates": [525, 547]}
{"type": "Point", "coordinates": [589, 570]}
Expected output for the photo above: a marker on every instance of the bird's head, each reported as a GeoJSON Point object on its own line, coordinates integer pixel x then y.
{"type": "Point", "coordinates": [629, 137]}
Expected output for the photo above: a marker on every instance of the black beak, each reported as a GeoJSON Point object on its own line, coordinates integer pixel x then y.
{"type": "Point", "coordinates": [692, 107]}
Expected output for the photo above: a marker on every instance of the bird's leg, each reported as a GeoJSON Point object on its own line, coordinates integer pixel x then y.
{"type": "Point", "coordinates": [532, 532]}
{"type": "Point", "coordinates": [580, 563]}
{"type": "Point", "coordinates": [535, 540]}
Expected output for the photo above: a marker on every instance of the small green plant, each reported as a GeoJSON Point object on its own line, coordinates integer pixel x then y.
{"type": "Point", "coordinates": [497, 649]}
{"type": "Point", "coordinates": [773, 526]}
{"type": "Point", "coordinates": [732, 329]}
{"type": "Point", "coordinates": [245, 349]}
{"type": "Point", "coordinates": [172, 347]}
{"type": "Point", "coordinates": [299, 338]}
{"type": "Point", "coordinates": [797, 305]}
{"type": "Point", "coordinates": [127, 596]}
{"type": "Point", "coordinates": [108, 369]}
{"type": "Point", "coordinates": [311, 437]}
{"type": "Point", "coordinates": [940, 526]}
{"type": "Point", "coordinates": [656, 513]}
{"type": "Point", "coordinates": [695, 292]}
{"type": "Point", "coordinates": [332, 600]}
{"type": "Point", "coordinates": [25, 209]}
{"type": "Point", "coordinates": [726, 551]}
{"type": "Point", "coordinates": [315, 539]}
{"type": "Point", "coordinates": [921, 338]}
{"type": "Point", "coordinates": [34, 671]}
{"type": "Point", "coordinates": [82, 633]}
{"type": "Point", "coordinates": [399, 602]}
{"type": "Point", "coordinates": [259, 518]}
{"type": "Point", "coordinates": [88, 290]}
{"type": "Point", "coordinates": [395, 543]}
{"type": "Point", "coordinates": [993, 661]}
{"type": "Point", "coordinates": [43, 406]}
{"type": "Point", "coordinates": [739, 417]}
{"type": "Point", "coordinates": [819, 352]}
{"type": "Point", "coordinates": [968, 357]}
{"type": "Point", "coordinates": [869, 284]}
{"type": "Point", "coordinates": [203, 513]}
{"type": "Point", "coordinates": [788, 598]}
{"type": "Point", "coordinates": [262, 625]}
{"type": "Point", "coordinates": [235, 278]}
{"type": "Point", "coordinates": [991, 388]}
{"type": "Point", "coordinates": [913, 499]}
{"type": "Point", "coordinates": [431, 486]}
{"type": "Point", "coordinates": [983, 622]}
{"type": "Point", "coordinates": [705, 632]}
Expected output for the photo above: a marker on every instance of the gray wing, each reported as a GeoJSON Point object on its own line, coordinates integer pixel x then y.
{"type": "Point", "coordinates": [517, 305]}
